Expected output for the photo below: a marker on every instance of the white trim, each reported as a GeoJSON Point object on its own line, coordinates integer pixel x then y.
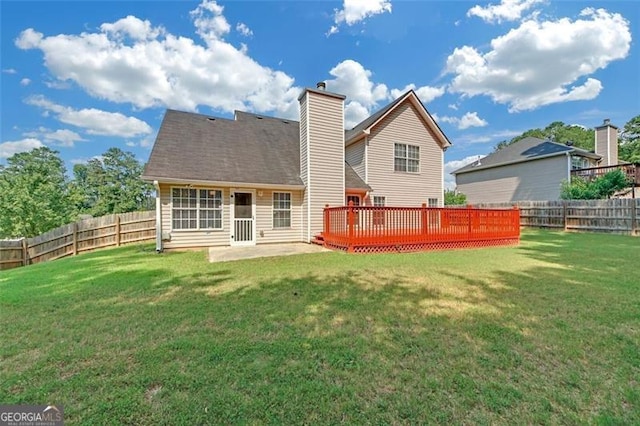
{"type": "Point", "coordinates": [219, 184]}
{"type": "Point", "coordinates": [197, 228]}
{"type": "Point", "coordinates": [568, 167]}
{"type": "Point", "coordinates": [290, 210]}
{"type": "Point", "coordinates": [344, 183]}
{"type": "Point", "coordinates": [366, 160]}
{"type": "Point", "coordinates": [232, 205]}
{"type": "Point", "coordinates": [307, 237]}
{"type": "Point", "coordinates": [158, 217]}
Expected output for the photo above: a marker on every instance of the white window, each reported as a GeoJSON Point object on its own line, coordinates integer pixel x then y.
{"type": "Point", "coordinates": [433, 202]}
{"type": "Point", "coordinates": [378, 215]}
{"type": "Point", "coordinates": [196, 208]}
{"type": "Point", "coordinates": [406, 158]}
{"type": "Point", "coordinates": [282, 210]}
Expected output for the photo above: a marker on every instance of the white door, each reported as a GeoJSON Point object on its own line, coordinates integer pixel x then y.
{"type": "Point", "coordinates": [243, 213]}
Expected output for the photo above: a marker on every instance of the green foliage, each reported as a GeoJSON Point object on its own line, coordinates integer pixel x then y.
{"type": "Point", "coordinates": [600, 188]}
{"type": "Point", "coordinates": [557, 132]}
{"type": "Point", "coordinates": [34, 197]}
{"type": "Point", "coordinates": [453, 198]}
{"type": "Point", "coordinates": [629, 149]}
{"type": "Point", "coordinates": [111, 184]}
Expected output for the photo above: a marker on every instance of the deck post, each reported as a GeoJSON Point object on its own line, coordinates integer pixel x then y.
{"type": "Point", "coordinates": [326, 228]}
{"type": "Point", "coordinates": [425, 224]}
{"type": "Point", "coordinates": [350, 223]}
{"type": "Point", "coordinates": [469, 230]}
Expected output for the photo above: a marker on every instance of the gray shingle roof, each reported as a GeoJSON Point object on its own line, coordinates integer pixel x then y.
{"type": "Point", "coordinates": [250, 149]}
{"type": "Point", "coordinates": [352, 180]}
{"type": "Point", "coordinates": [527, 149]}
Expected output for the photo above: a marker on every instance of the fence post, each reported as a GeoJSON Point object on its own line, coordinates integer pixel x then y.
{"type": "Point", "coordinates": [75, 238]}
{"type": "Point", "coordinates": [564, 214]}
{"type": "Point", "coordinates": [634, 217]}
{"type": "Point", "coordinates": [25, 252]}
{"type": "Point", "coordinates": [117, 231]}
{"type": "Point", "coordinates": [350, 223]}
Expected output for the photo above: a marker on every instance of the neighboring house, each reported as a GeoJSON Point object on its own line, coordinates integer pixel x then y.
{"type": "Point", "coordinates": [530, 169]}
{"type": "Point", "coordinates": [258, 179]}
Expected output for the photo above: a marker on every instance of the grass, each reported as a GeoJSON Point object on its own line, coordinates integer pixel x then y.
{"type": "Point", "coordinates": [547, 332]}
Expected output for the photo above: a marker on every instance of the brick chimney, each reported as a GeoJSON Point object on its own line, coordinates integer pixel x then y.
{"type": "Point", "coordinates": [607, 143]}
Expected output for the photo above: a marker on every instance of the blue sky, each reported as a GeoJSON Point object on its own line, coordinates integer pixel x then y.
{"type": "Point", "coordinates": [81, 77]}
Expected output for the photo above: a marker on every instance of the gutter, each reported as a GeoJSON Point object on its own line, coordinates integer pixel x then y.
{"type": "Point", "coordinates": [223, 184]}
{"type": "Point", "coordinates": [158, 218]}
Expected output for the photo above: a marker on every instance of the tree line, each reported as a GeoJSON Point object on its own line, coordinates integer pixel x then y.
{"type": "Point", "coordinates": [37, 195]}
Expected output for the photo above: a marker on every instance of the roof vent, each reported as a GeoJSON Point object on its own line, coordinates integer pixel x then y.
{"type": "Point", "coordinates": [606, 122]}
{"type": "Point", "coordinates": [211, 119]}
{"type": "Point", "coordinates": [321, 85]}
{"type": "Point", "coordinates": [569, 143]}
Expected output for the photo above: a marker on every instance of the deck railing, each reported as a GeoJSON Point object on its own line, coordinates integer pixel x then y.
{"type": "Point", "coordinates": [370, 229]}
{"type": "Point", "coordinates": [632, 171]}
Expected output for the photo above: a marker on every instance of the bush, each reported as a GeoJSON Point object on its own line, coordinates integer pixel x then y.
{"type": "Point", "coordinates": [599, 188]}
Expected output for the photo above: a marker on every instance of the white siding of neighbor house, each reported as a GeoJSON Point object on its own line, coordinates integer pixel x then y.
{"type": "Point", "coordinates": [265, 233]}
{"type": "Point", "coordinates": [355, 156]}
{"type": "Point", "coordinates": [404, 125]}
{"type": "Point", "coordinates": [324, 122]}
{"type": "Point", "coordinates": [532, 180]}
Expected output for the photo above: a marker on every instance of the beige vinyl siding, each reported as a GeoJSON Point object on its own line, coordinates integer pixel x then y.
{"type": "Point", "coordinates": [606, 145]}
{"type": "Point", "coordinates": [404, 125]}
{"type": "Point", "coordinates": [265, 232]}
{"type": "Point", "coordinates": [326, 156]}
{"type": "Point", "coordinates": [193, 238]}
{"type": "Point", "coordinates": [304, 167]}
{"type": "Point", "coordinates": [209, 238]}
{"type": "Point", "coordinates": [355, 156]}
{"type": "Point", "coordinates": [531, 180]}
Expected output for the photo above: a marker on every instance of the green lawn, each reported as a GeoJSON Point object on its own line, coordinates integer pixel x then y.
{"type": "Point", "coordinates": [547, 332]}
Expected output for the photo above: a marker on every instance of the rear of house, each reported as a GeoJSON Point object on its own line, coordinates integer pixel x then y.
{"type": "Point", "coordinates": [258, 179]}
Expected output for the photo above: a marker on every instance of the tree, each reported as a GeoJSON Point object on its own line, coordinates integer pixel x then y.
{"type": "Point", "coordinates": [34, 197]}
{"type": "Point", "coordinates": [111, 184]}
{"type": "Point", "coordinates": [558, 132]}
{"type": "Point", "coordinates": [599, 188]}
{"type": "Point", "coordinates": [453, 198]}
{"type": "Point", "coordinates": [629, 149]}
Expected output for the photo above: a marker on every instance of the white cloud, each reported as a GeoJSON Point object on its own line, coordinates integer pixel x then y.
{"type": "Point", "coordinates": [9, 71]}
{"type": "Point", "coordinates": [507, 10]}
{"type": "Point", "coordinates": [541, 63]}
{"type": "Point", "coordinates": [451, 166]}
{"type": "Point", "coordinates": [469, 119]}
{"type": "Point", "coordinates": [453, 107]}
{"type": "Point", "coordinates": [7, 149]}
{"type": "Point", "coordinates": [243, 29]}
{"type": "Point", "coordinates": [131, 61]}
{"type": "Point", "coordinates": [354, 11]}
{"type": "Point", "coordinates": [25, 82]}
{"type": "Point", "coordinates": [210, 24]}
{"type": "Point", "coordinates": [95, 121]}
{"type": "Point", "coordinates": [363, 95]}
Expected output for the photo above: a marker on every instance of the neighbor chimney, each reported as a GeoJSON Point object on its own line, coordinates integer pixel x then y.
{"type": "Point", "coordinates": [606, 138]}
{"type": "Point", "coordinates": [321, 85]}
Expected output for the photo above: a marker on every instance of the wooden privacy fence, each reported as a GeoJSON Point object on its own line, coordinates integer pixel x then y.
{"type": "Point", "coordinates": [384, 229]}
{"type": "Point", "coordinates": [614, 216]}
{"type": "Point", "coordinates": [78, 237]}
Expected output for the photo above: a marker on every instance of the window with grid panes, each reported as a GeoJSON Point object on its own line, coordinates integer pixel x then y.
{"type": "Point", "coordinates": [406, 158]}
{"type": "Point", "coordinates": [282, 210]}
{"type": "Point", "coordinates": [196, 208]}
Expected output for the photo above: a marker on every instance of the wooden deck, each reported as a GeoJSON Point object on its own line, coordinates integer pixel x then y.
{"type": "Point", "coordinates": [365, 229]}
{"type": "Point", "coordinates": [632, 171]}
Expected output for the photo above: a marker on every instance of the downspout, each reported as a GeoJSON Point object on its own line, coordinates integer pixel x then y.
{"type": "Point", "coordinates": [158, 218]}
{"type": "Point", "coordinates": [568, 154]}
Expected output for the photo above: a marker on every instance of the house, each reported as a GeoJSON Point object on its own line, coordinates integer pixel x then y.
{"type": "Point", "coordinates": [533, 169]}
{"type": "Point", "coordinates": [256, 179]}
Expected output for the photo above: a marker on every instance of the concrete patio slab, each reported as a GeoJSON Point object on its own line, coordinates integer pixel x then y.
{"type": "Point", "coordinates": [225, 254]}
